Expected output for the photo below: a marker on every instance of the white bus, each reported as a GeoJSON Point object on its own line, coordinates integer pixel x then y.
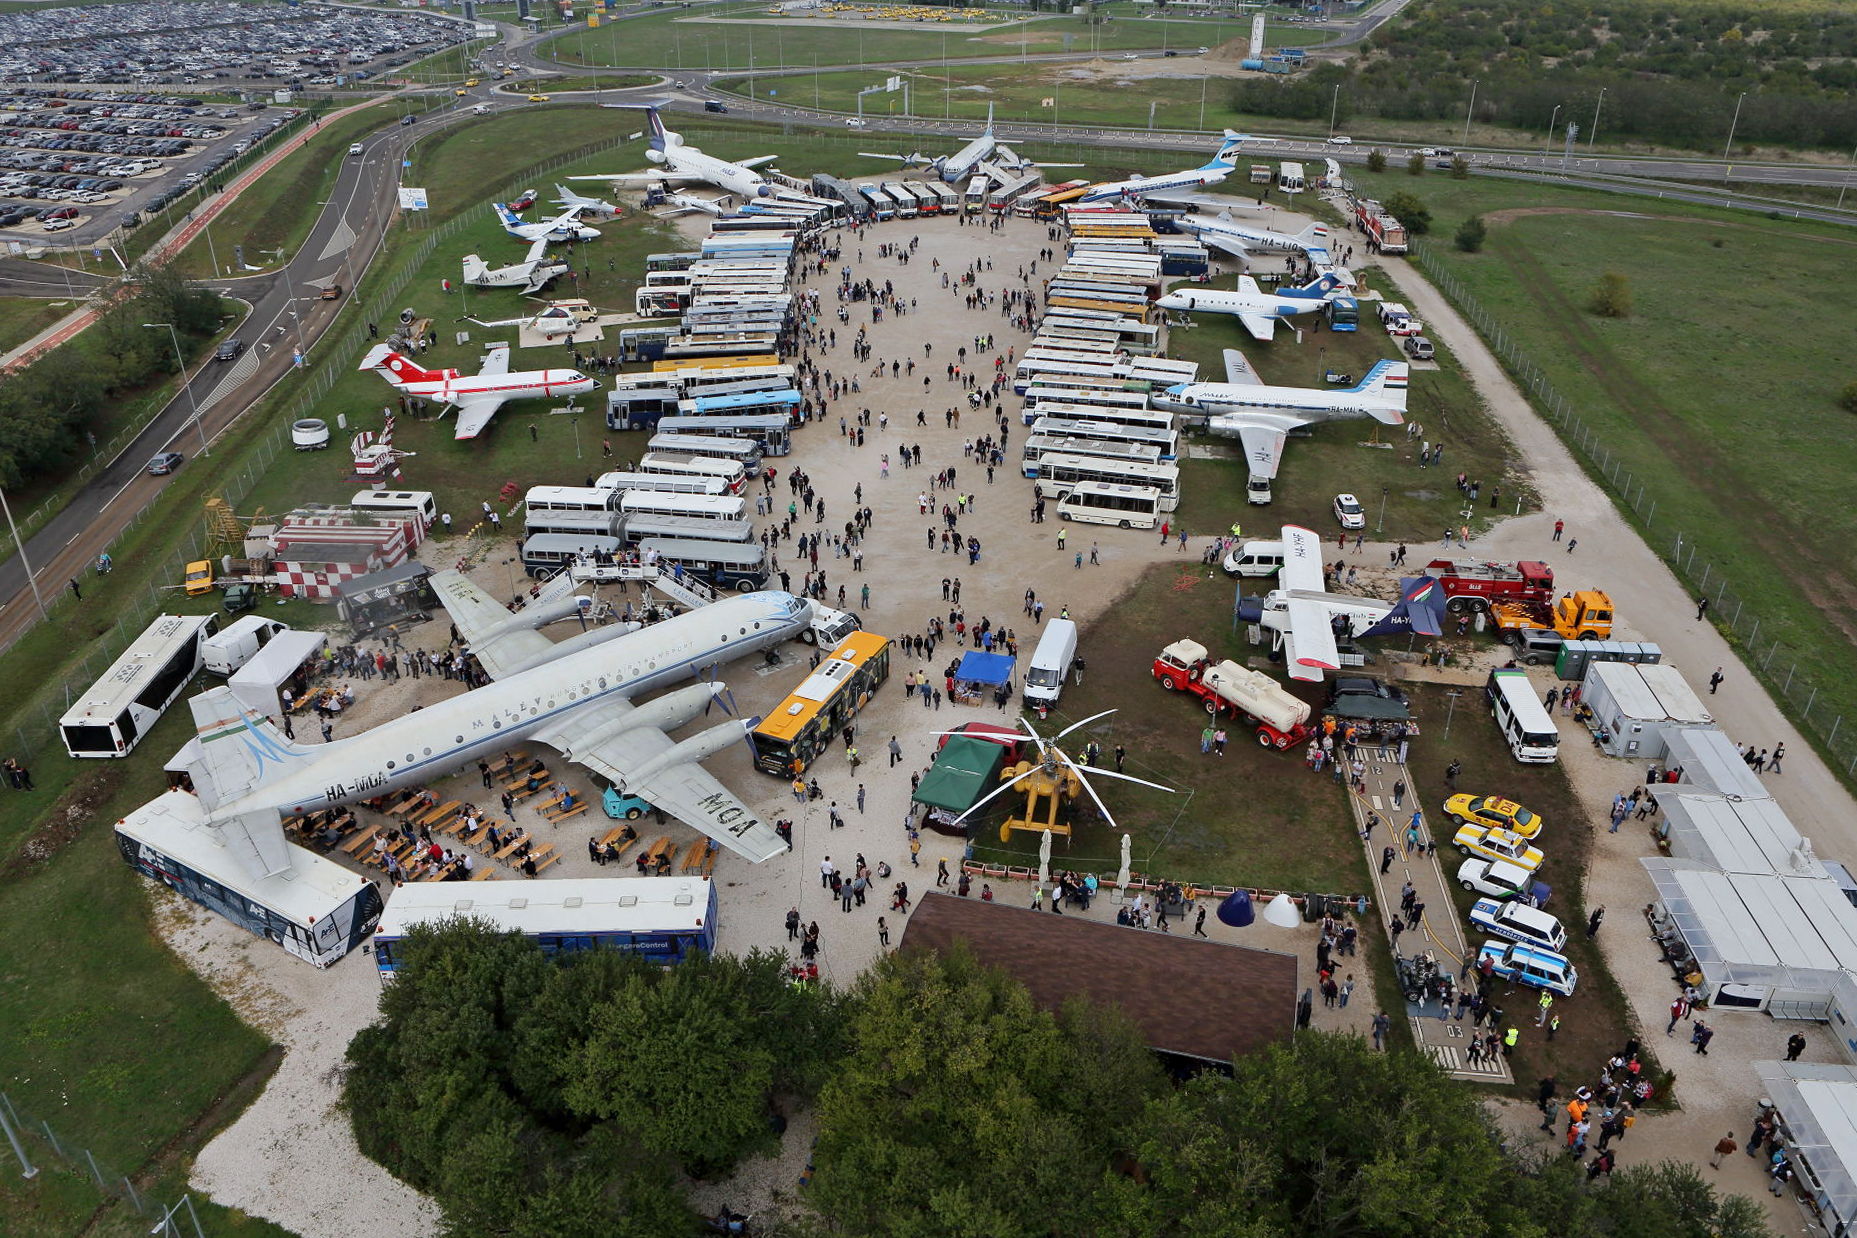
{"type": "Point", "coordinates": [678, 465]}
{"type": "Point", "coordinates": [1524, 722]}
{"type": "Point", "coordinates": [1290, 177]}
{"type": "Point", "coordinates": [1113, 414]}
{"type": "Point", "coordinates": [1040, 445]}
{"type": "Point", "coordinates": [1055, 393]}
{"type": "Point", "coordinates": [129, 698]}
{"type": "Point", "coordinates": [315, 908]}
{"type": "Point", "coordinates": [398, 503]}
{"type": "Point", "coordinates": [687, 506]}
{"type": "Point", "coordinates": [928, 202]}
{"type": "Point", "coordinates": [571, 499]}
{"type": "Point", "coordinates": [1060, 472]}
{"type": "Point", "coordinates": [687, 483]}
{"type": "Point", "coordinates": [1097, 502]}
{"type": "Point", "coordinates": [1168, 441]}
{"type": "Point", "coordinates": [905, 201]}
{"type": "Point", "coordinates": [743, 451]}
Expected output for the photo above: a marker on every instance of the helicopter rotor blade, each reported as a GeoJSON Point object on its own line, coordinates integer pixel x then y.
{"type": "Point", "coordinates": [1093, 772]}
{"type": "Point", "coordinates": [999, 790]}
{"type": "Point", "coordinates": [1073, 726]}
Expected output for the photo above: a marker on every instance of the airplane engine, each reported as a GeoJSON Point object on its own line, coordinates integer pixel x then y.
{"type": "Point", "coordinates": [703, 744]}
{"type": "Point", "coordinates": [656, 156]}
{"type": "Point", "coordinates": [538, 615]}
{"type": "Point", "coordinates": [674, 709]}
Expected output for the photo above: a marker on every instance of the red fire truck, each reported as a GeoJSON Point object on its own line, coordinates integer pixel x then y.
{"type": "Point", "coordinates": [1227, 688]}
{"type": "Point", "coordinates": [1472, 585]}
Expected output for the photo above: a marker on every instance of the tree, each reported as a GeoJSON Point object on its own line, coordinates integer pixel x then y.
{"type": "Point", "coordinates": [1410, 211]}
{"type": "Point", "coordinates": [1415, 166]}
{"type": "Point", "coordinates": [1376, 160]}
{"type": "Point", "coordinates": [1471, 234]}
{"type": "Point", "coordinates": [1460, 168]}
{"type": "Point", "coordinates": [1612, 296]}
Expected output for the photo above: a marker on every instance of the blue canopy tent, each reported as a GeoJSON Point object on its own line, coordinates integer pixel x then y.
{"type": "Point", "coordinates": [982, 673]}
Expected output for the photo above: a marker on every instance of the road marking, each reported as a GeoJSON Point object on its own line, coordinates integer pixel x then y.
{"type": "Point", "coordinates": [242, 369]}
{"type": "Point", "coordinates": [339, 240]}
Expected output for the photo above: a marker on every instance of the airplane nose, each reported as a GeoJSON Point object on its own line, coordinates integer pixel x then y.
{"type": "Point", "coordinates": [764, 191]}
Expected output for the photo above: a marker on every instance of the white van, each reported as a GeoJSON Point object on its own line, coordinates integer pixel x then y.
{"type": "Point", "coordinates": [384, 501]}
{"type": "Point", "coordinates": [1044, 679]}
{"type": "Point", "coordinates": [1519, 922]}
{"type": "Point", "coordinates": [1525, 723]}
{"type": "Point", "coordinates": [1254, 559]}
{"type": "Point", "coordinates": [234, 647]}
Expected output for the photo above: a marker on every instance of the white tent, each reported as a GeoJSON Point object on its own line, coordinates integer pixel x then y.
{"type": "Point", "coordinates": [1735, 836]}
{"type": "Point", "coordinates": [1817, 1106]}
{"type": "Point", "coordinates": [1707, 759]}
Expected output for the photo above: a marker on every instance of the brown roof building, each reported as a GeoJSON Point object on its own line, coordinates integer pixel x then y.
{"type": "Point", "coordinates": [1191, 997]}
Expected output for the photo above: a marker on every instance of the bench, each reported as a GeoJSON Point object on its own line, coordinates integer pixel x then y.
{"type": "Point", "coordinates": [708, 865]}
{"type": "Point", "coordinates": [361, 839]}
{"type": "Point", "coordinates": [541, 865]}
{"type": "Point", "coordinates": [520, 791]}
{"type": "Point", "coordinates": [521, 781]}
{"type": "Point", "coordinates": [486, 873]}
{"type": "Point", "coordinates": [480, 834]}
{"type": "Point", "coordinates": [562, 814]}
{"type": "Point", "coordinates": [457, 823]}
{"type": "Point", "coordinates": [505, 765]}
{"type": "Point", "coordinates": [436, 815]}
{"type": "Point", "coordinates": [694, 859]}
{"type": "Point", "coordinates": [655, 849]}
{"type": "Point", "coordinates": [543, 851]}
{"type": "Point", "coordinates": [509, 848]}
{"type": "Point", "coordinates": [545, 805]}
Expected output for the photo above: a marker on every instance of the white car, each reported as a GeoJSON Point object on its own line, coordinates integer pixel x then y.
{"type": "Point", "coordinates": [1341, 139]}
{"type": "Point", "coordinates": [355, 149]}
{"type": "Point", "coordinates": [1495, 878]}
{"type": "Point", "coordinates": [1349, 512]}
{"type": "Point", "coordinates": [854, 122]}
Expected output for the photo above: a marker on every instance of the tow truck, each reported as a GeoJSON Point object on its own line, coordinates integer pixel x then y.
{"type": "Point", "coordinates": [1585, 614]}
{"type": "Point", "coordinates": [1281, 719]}
{"type": "Point", "coordinates": [1472, 586]}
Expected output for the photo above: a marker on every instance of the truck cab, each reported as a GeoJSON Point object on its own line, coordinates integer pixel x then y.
{"type": "Point", "coordinates": [829, 626]}
{"type": "Point", "coordinates": [1257, 491]}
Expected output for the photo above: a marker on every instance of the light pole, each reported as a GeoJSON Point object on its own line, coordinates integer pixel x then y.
{"type": "Point", "coordinates": [1379, 526]}
{"type": "Point", "coordinates": [1728, 146]}
{"type": "Point", "coordinates": [33, 580]}
{"type": "Point", "coordinates": [1547, 143]}
{"type": "Point", "coordinates": [185, 385]}
{"type": "Point", "coordinates": [1594, 135]}
{"type": "Point", "coordinates": [1152, 104]}
{"type": "Point", "coordinates": [1203, 79]}
{"type": "Point", "coordinates": [1847, 178]}
{"type": "Point", "coordinates": [1334, 109]}
{"type": "Point", "coordinates": [1474, 83]}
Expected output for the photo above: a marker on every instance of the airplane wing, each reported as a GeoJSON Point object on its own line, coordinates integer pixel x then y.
{"type": "Point", "coordinates": [500, 640]}
{"type": "Point", "coordinates": [642, 760]}
{"type": "Point", "coordinates": [1228, 244]}
{"type": "Point", "coordinates": [475, 412]}
{"type": "Point", "coordinates": [538, 249]}
{"type": "Point", "coordinates": [1238, 371]}
{"type": "Point", "coordinates": [871, 154]}
{"type": "Point", "coordinates": [1261, 326]}
{"type": "Point", "coordinates": [1309, 645]}
{"type": "Point", "coordinates": [1263, 448]}
{"type": "Point", "coordinates": [496, 363]}
{"type": "Point", "coordinates": [630, 178]}
{"type": "Point", "coordinates": [755, 162]}
{"type": "Point", "coordinates": [1302, 560]}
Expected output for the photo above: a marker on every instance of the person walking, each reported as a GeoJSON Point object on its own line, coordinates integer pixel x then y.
{"type": "Point", "coordinates": [1678, 1008]}
{"type": "Point", "coordinates": [1715, 681]}
{"type": "Point", "coordinates": [793, 924]}
{"type": "Point", "coordinates": [1795, 1045]}
{"type": "Point", "coordinates": [1199, 924]}
{"type": "Point", "coordinates": [883, 933]}
{"type": "Point", "coordinates": [1725, 1146]}
{"type": "Point", "coordinates": [1592, 922]}
{"type": "Point", "coordinates": [1703, 1035]}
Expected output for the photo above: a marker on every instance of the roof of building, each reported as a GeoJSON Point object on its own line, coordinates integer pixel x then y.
{"type": "Point", "coordinates": [1197, 998]}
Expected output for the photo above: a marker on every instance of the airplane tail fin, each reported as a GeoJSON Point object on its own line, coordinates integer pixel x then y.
{"type": "Point", "coordinates": [989, 128]}
{"type": "Point", "coordinates": [661, 137]}
{"type": "Point", "coordinates": [236, 749]}
{"type": "Point", "coordinates": [474, 268]}
{"type": "Point", "coordinates": [1227, 156]}
{"type": "Point", "coordinates": [397, 369]}
{"type": "Point", "coordinates": [1314, 236]}
{"type": "Point", "coordinates": [1387, 379]}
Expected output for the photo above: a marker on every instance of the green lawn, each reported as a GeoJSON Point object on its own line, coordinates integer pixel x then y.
{"type": "Point", "coordinates": [1721, 409]}
{"type": "Point", "coordinates": [679, 40]}
{"type": "Point", "coordinates": [21, 318]}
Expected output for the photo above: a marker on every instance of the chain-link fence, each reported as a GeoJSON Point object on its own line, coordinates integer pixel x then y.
{"type": "Point", "coordinates": [38, 1147]}
{"type": "Point", "coordinates": [1766, 654]}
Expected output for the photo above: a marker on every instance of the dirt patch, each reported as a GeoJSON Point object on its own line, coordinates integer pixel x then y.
{"type": "Point", "coordinates": [66, 819]}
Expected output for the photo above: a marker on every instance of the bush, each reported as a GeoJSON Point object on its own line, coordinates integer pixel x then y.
{"type": "Point", "coordinates": [1612, 296]}
{"type": "Point", "coordinates": [1460, 168]}
{"type": "Point", "coordinates": [1415, 166]}
{"type": "Point", "coordinates": [1410, 211]}
{"type": "Point", "coordinates": [1471, 234]}
{"type": "Point", "coordinates": [1376, 160]}
{"type": "Point", "coordinates": [1847, 399]}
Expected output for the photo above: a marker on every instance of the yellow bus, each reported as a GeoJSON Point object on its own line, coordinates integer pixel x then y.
{"type": "Point", "coordinates": [794, 736]}
{"type": "Point", "coordinates": [711, 363]}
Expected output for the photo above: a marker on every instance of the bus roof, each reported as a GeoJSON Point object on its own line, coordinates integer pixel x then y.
{"type": "Point", "coordinates": [129, 675]}
{"type": "Point", "coordinates": [730, 401]}
{"type": "Point", "coordinates": [568, 905]}
{"type": "Point", "coordinates": [799, 707]}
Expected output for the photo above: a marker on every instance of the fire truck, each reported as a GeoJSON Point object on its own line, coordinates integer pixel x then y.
{"type": "Point", "coordinates": [1471, 585]}
{"type": "Point", "coordinates": [1227, 688]}
{"type": "Point", "coordinates": [1387, 234]}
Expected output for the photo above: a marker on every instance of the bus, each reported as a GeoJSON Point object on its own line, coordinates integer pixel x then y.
{"type": "Point", "coordinates": [1059, 473]}
{"type": "Point", "coordinates": [766, 401]}
{"type": "Point", "coordinates": [1115, 395]}
{"type": "Point", "coordinates": [882, 205]}
{"type": "Point", "coordinates": [544, 554]}
{"type": "Point", "coordinates": [687, 506]}
{"type": "Point", "coordinates": [672, 483]}
{"type": "Point", "coordinates": [928, 202]}
{"type": "Point", "coordinates": [1099, 502]}
{"type": "Point", "coordinates": [898, 193]}
{"type": "Point", "coordinates": [740, 225]}
{"type": "Point", "coordinates": [1342, 313]}
{"type": "Point", "coordinates": [804, 725]}
{"type": "Point", "coordinates": [677, 466]}
{"type": "Point", "coordinates": [974, 196]}
{"type": "Point", "coordinates": [720, 565]}
{"type": "Point", "coordinates": [1290, 177]}
{"type": "Point", "coordinates": [947, 198]}
{"type": "Point", "coordinates": [1001, 199]}
{"type": "Point", "coordinates": [1168, 441]}
{"type": "Point", "coordinates": [769, 432]}
{"type": "Point", "coordinates": [115, 712]}
{"type": "Point", "coordinates": [704, 371]}
{"type": "Point", "coordinates": [571, 524]}
{"type": "Point", "coordinates": [1040, 445]}
{"type": "Point", "coordinates": [641, 527]}
{"type": "Point", "coordinates": [571, 499]}
{"type": "Point", "coordinates": [664, 919]}
{"type": "Point", "coordinates": [743, 451]}
{"type": "Point", "coordinates": [734, 347]}
{"type": "Point", "coordinates": [1051, 205]}
{"type": "Point", "coordinates": [671, 262]}
{"type": "Point", "coordinates": [1526, 727]}
{"type": "Point", "coordinates": [314, 908]}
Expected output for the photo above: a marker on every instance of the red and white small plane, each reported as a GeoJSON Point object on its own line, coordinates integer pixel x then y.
{"type": "Point", "coordinates": [476, 397]}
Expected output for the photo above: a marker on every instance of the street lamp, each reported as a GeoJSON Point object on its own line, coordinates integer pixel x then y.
{"type": "Point", "coordinates": [1728, 146]}
{"type": "Point", "coordinates": [1594, 135]}
{"type": "Point", "coordinates": [33, 580]}
{"type": "Point", "coordinates": [1379, 526]}
{"type": "Point", "coordinates": [1548, 143]}
{"type": "Point", "coordinates": [1475, 82]}
{"type": "Point", "coordinates": [185, 385]}
{"type": "Point", "coordinates": [1334, 109]}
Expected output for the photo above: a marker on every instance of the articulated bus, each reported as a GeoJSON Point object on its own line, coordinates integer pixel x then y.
{"type": "Point", "coordinates": [735, 347]}
{"type": "Point", "coordinates": [1059, 473]}
{"type": "Point", "coordinates": [702, 372]}
{"type": "Point", "coordinates": [675, 465]}
{"type": "Point", "coordinates": [113, 714]}
{"type": "Point", "coordinates": [794, 735]}
{"type": "Point", "coordinates": [1126, 507]}
{"type": "Point", "coordinates": [772, 432]}
{"type": "Point", "coordinates": [1038, 446]}
{"type": "Point", "coordinates": [664, 919]}
{"type": "Point", "coordinates": [748, 225]}
{"type": "Point", "coordinates": [1167, 440]}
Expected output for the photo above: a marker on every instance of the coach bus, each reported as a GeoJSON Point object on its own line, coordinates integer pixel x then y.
{"type": "Point", "coordinates": [687, 506]}
{"type": "Point", "coordinates": [768, 432]}
{"type": "Point", "coordinates": [1168, 441]}
{"type": "Point", "coordinates": [723, 566]}
{"type": "Point", "coordinates": [664, 919]}
{"type": "Point", "coordinates": [1060, 472]}
{"type": "Point", "coordinates": [113, 714]}
{"type": "Point", "coordinates": [1096, 502]}
{"type": "Point", "coordinates": [743, 451]}
{"type": "Point", "coordinates": [1040, 445]}
{"type": "Point", "coordinates": [677, 465]}
{"type": "Point", "coordinates": [899, 194]}
{"type": "Point", "coordinates": [671, 483]}
{"type": "Point", "coordinates": [1290, 177]}
{"type": "Point", "coordinates": [882, 205]}
{"type": "Point", "coordinates": [792, 736]}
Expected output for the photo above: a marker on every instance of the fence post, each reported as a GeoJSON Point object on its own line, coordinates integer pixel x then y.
{"type": "Point", "coordinates": [27, 1169]}
{"type": "Point", "coordinates": [1835, 723]}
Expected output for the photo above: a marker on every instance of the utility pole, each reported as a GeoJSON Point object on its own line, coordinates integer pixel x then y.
{"type": "Point", "coordinates": [1728, 147]}
{"type": "Point", "coordinates": [180, 363]}
{"type": "Point", "coordinates": [1593, 136]}
{"type": "Point", "coordinates": [33, 580]}
{"type": "Point", "coordinates": [1471, 108]}
{"type": "Point", "coordinates": [1547, 143]}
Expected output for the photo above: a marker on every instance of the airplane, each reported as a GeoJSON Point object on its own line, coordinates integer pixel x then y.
{"type": "Point", "coordinates": [1306, 618]}
{"type": "Point", "coordinates": [1209, 173]}
{"type": "Point", "coordinates": [1261, 416]}
{"type": "Point", "coordinates": [560, 318]}
{"type": "Point", "coordinates": [586, 206]}
{"type": "Point", "coordinates": [477, 396]}
{"type": "Point", "coordinates": [576, 696]}
{"type": "Point", "coordinates": [1256, 310]}
{"type": "Point", "coordinates": [680, 203]}
{"type": "Point", "coordinates": [532, 274]}
{"type": "Point", "coordinates": [687, 164]}
{"type": "Point", "coordinates": [986, 148]}
{"type": "Point", "coordinates": [564, 227]}
{"type": "Point", "coordinates": [1242, 240]}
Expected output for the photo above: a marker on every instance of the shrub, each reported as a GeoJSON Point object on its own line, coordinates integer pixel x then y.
{"type": "Point", "coordinates": [1471, 234]}
{"type": "Point", "coordinates": [1612, 296]}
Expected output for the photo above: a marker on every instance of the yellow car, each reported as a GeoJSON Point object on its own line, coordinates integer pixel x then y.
{"type": "Point", "coordinates": [1493, 810]}
{"type": "Point", "coordinates": [1494, 844]}
{"type": "Point", "coordinates": [470, 81]}
{"type": "Point", "coordinates": [198, 578]}
{"type": "Point", "coordinates": [460, 91]}
{"type": "Point", "coordinates": [538, 98]}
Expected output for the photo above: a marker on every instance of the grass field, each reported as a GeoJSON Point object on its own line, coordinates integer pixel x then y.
{"type": "Point", "coordinates": [1681, 393]}
{"type": "Point", "coordinates": [680, 41]}
{"type": "Point", "coordinates": [581, 82]}
{"type": "Point", "coordinates": [21, 318]}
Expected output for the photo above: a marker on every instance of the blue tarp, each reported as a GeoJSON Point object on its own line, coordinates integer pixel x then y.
{"type": "Point", "coordinates": [991, 669]}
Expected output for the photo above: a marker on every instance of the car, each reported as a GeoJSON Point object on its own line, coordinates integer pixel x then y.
{"type": "Point", "coordinates": [356, 149]}
{"type": "Point", "coordinates": [1349, 512]}
{"type": "Point", "coordinates": [620, 806]}
{"type": "Point", "coordinates": [1536, 646]}
{"type": "Point", "coordinates": [854, 122]}
{"type": "Point", "coordinates": [165, 463]}
{"type": "Point", "coordinates": [1495, 844]}
{"type": "Point", "coordinates": [1530, 965]}
{"type": "Point", "coordinates": [1418, 348]}
{"type": "Point", "coordinates": [1202, 51]}
{"type": "Point", "coordinates": [1340, 139]}
{"type": "Point", "coordinates": [481, 109]}
{"type": "Point", "coordinates": [332, 293]}
{"type": "Point", "coordinates": [538, 98]}
{"type": "Point", "coordinates": [1519, 922]}
{"type": "Point", "coordinates": [230, 350]}
{"type": "Point", "coordinates": [714, 105]}
{"type": "Point", "coordinates": [1500, 879]}
{"type": "Point", "coordinates": [470, 81]}
{"type": "Point", "coordinates": [198, 578]}
{"type": "Point", "coordinates": [1129, 56]}
{"type": "Point", "coordinates": [59, 225]}
{"type": "Point", "coordinates": [1494, 811]}
{"type": "Point", "coordinates": [1438, 152]}
{"type": "Point", "coordinates": [1170, 53]}
{"type": "Point", "coordinates": [408, 119]}
{"type": "Point", "coordinates": [460, 91]}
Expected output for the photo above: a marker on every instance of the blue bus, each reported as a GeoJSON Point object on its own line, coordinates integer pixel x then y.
{"type": "Point", "coordinates": [666, 919]}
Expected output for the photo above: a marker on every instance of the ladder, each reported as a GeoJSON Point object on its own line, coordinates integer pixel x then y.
{"type": "Point", "coordinates": [689, 591]}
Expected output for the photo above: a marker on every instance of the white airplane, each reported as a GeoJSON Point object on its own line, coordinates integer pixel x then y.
{"type": "Point", "coordinates": [1242, 240]}
{"type": "Point", "coordinates": [564, 227]}
{"type": "Point", "coordinates": [687, 164]}
{"type": "Point", "coordinates": [1243, 407]}
{"type": "Point", "coordinates": [588, 207]}
{"type": "Point", "coordinates": [681, 203]}
{"type": "Point", "coordinates": [531, 274]}
{"type": "Point", "coordinates": [476, 396]}
{"type": "Point", "coordinates": [575, 696]}
{"type": "Point", "coordinates": [1305, 616]}
{"type": "Point", "coordinates": [1256, 310]}
{"type": "Point", "coordinates": [986, 148]}
{"type": "Point", "coordinates": [557, 318]}
{"type": "Point", "coordinates": [1209, 173]}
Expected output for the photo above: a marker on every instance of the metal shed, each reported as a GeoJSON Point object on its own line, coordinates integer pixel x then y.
{"type": "Point", "coordinates": [1631, 716]}
{"type": "Point", "coordinates": [1707, 760]}
{"type": "Point", "coordinates": [1816, 1103]}
{"type": "Point", "coordinates": [1680, 703]}
{"type": "Point", "coordinates": [1735, 836]}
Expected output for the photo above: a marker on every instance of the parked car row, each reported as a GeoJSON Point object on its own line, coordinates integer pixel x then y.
{"type": "Point", "coordinates": [1527, 945]}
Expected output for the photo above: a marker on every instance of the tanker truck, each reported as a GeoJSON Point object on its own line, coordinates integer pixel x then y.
{"type": "Point", "coordinates": [1281, 719]}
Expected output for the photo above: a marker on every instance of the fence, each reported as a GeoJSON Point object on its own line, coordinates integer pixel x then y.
{"type": "Point", "coordinates": [1775, 663]}
{"type": "Point", "coordinates": [37, 1146]}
